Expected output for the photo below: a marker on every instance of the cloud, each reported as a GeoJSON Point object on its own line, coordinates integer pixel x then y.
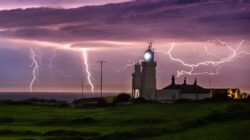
{"type": "Point", "coordinates": [131, 21]}
{"type": "Point", "coordinates": [14, 4]}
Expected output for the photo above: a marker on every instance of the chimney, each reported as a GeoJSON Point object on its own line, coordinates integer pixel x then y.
{"type": "Point", "coordinates": [185, 81]}
{"type": "Point", "coordinates": [195, 81]}
{"type": "Point", "coordinates": [173, 80]}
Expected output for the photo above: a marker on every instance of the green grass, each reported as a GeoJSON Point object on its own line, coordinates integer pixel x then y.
{"type": "Point", "coordinates": [148, 121]}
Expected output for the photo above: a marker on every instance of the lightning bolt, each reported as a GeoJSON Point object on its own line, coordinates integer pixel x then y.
{"type": "Point", "coordinates": [218, 64]}
{"type": "Point", "coordinates": [53, 66]}
{"type": "Point", "coordinates": [86, 67]}
{"type": "Point", "coordinates": [211, 53]}
{"type": "Point", "coordinates": [35, 57]}
{"type": "Point", "coordinates": [129, 64]}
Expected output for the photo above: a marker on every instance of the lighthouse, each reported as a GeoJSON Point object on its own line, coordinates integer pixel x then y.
{"type": "Point", "coordinates": [144, 77]}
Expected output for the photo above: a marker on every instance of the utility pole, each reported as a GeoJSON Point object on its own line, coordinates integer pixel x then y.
{"type": "Point", "coordinates": [101, 63]}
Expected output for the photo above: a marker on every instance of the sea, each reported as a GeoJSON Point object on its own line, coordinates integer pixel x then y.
{"type": "Point", "coordinates": [66, 96]}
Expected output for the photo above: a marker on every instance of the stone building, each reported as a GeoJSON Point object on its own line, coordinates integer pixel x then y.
{"type": "Point", "coordinates": [182, 91]}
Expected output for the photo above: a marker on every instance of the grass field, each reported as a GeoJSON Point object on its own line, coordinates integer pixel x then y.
{"type": "Point", "coordinates": [147, 121]}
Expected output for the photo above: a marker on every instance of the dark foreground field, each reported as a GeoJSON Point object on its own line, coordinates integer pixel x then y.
{"type": "Point", "coordinates": [148, 121]}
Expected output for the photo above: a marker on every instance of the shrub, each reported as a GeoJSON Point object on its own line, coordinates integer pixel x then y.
{"type": "Point", "coordinates": [6, 120]}
{"type": "Point", "coordinates": [139, 100]}
{"type": "Point", "coordinates": [65, 138]}
{"type": "Point", "coordinates": [102, 102]}
{"type": "Point", "coordinates": [54, 122]}
{"type": "Point", "coordinates": [118, 136]}
{"type": "Point", "coordinates": [216, 117]}
{"type": "Point", "coordinates": [221, 117]}
{"type": "Point", "coordinates": [151, 132]}
{"type": "Point", "coordinates": [89, 102]}
{"type": "Point", "coordinates": [123, 97]}
{"type": "Point", "coordinates": [193, 124]}
{"type": "Point", "coordinates": [235, 108]}
{"type": "Point", "coordinates": [70, 133]}
{"type": "Point", "coordinates": [87, 120]}
{"type": "Point", "coordinates": [142, 121]}
{"type": "Point", "coordinates": [19, 133]}
{"type": "Point", "coordinates": [9, 102]}
{"type": "Point", "coordinates": [183, 101]}
{"type": "Point", "coordinates": [248, 98]}
{"type": "Point", "coordinates": [66, 122]}
{"type": "Point", "coordinates": [137, 133]}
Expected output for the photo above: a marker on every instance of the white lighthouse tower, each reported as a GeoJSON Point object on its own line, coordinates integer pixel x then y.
{"type": "Point", "coordinates": [144, 77]}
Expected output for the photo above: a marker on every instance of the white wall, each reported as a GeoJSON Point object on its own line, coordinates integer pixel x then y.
{"type": "Point", "coordinates": [174, 94]}
{"type": "Point", "coordinates": [195, 96]}
{"type": "Point", "coordinates": [169, 94]}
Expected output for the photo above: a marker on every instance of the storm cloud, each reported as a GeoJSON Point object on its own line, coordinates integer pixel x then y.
{"type": "Point", "coordinates": [129, 21]}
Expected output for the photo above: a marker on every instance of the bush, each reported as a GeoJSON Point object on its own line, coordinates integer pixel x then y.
{"type": "Point", "coordinates": [193, 124]}
{"type": "Point", "coordinates": [220, 96]}
{"type": "Point", "coordinates": [90, 102]}
{"type": "Point", "coordinates": [54, 121]}
{"type": "Point", "coordinates": [183, 101]}
{"type": "Point", "coordinates": [127, 135]}
{"type": "Point", "coordinates": [6, 120]}
{"type": "Point", "coordinates": [139, 100]}
{"type": "Point", "coordinates": [36, 101]}
{"type": "Point", "coordinates": [9, 102]}
{"type": "Point", "coordinates": [142, 121]}
{"type": "Point", "coordinates": [216, 117]}
{"type": "Point", "coordinates": [234, 108]}
{"type": "Point", "coordinates": [70, 133]}
{"type": "Point", "coordinates": [248, 98]}
{"type": "Point", "coordinates": [27, 139]}
{"type": "Point", "coordinates": [123, 97]}
{"type": "Point", "coordinates": [18, 133]}
{"type": "Point", "coordinates": [65, 138]}
{"type": "Point", "coordinates": [67, 122]}
{"type": "Point", "coordinates": [151, 132]}
{"type": "Point", "coordinates": [80, 121]}
{"type": "Point", "coordinates": [221, 117]}
{"type": "Point", "coordinates": [102, 102]}
{"type": "Point", "coordinates": [137, 133]}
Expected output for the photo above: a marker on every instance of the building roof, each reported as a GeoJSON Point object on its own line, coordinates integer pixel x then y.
{"type": "Point", "coordinates": [224, 90]}
{"type": "Point", "coordinates": [185, 88]}
{"type": "Point", "coordinates": [220, 91]}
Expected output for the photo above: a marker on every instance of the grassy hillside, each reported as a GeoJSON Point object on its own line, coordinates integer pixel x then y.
{"type": "Point", "coordinates": [220, 120]}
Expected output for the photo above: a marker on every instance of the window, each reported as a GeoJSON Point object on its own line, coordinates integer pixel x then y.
{"type": "Point", "coordinates": [173, 96]}
{"type": "Point", "coordinates": [197, 96]}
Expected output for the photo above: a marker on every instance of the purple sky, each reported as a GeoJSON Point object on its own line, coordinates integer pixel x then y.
{"type": "Point", "coordinates": [13, 4]}
{"type": "Point", "coordinates": [118, 33]}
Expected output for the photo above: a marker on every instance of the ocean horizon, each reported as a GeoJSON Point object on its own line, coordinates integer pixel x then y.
{"type": "Point", "coordinates": [68, 96]}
